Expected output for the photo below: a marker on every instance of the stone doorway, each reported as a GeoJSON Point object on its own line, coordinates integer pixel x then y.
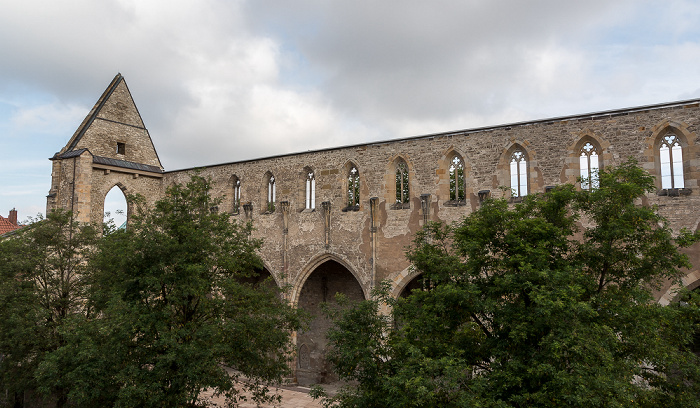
{"type": "Point", "coordinates": [321, 286]}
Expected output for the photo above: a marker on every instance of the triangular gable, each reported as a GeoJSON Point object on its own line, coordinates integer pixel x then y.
{"type": "Point", "coordinates": [115, 120]}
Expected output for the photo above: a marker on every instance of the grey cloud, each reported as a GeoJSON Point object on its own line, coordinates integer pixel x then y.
{"type": "Point", "coordinates": [436, 59]}
{"type": "Point", "coordinates": [224, 80]}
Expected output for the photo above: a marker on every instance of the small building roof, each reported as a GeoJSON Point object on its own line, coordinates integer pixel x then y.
{"type": "Point", "coordinates": [6, 226]}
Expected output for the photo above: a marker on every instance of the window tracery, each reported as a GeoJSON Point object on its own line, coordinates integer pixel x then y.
{"type": "Point", "coordinates": [236, 196]}
{"type": "Point", "coordinates": [457, 187]}
{"type": "Point", "coordinates": [271, 194]}
{"type": "Point", "coordinates": [402, 186]}
{"type": "Point", "coordinates": [589, 166]}
{"type": "Point", "coordinates": [353, 188]}
{"type": "Point", "coordinates": [518, 174]}
{"type": "Point", "coordinates": [671, 160]}
{"type": "Point", "coordinates": [310, 190]}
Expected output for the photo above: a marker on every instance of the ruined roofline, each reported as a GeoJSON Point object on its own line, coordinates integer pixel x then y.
{"type": "Point", "coordinates": [507, 126]}
{"type": "Point", "coordinates": [95, 112]}
{"type": "Point", "coordinates": [85, 125]}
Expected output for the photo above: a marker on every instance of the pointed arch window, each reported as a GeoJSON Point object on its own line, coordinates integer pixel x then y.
{"type": "Point", "coordinates": [236, 195]}
{"type": "Point", "coordinates": [271, 194]}
{"type": "Point", "coordinates": [353, 189]}
{"type": "Point", "coordinates": [115, 208]}
{"type": "Point", "coordinates": [310, 190]}
{"type": "Point", "coordinates": [402, 187]}
{"type": "Point", "coordinates": [671, 156]}
{"type": "Point", "coordinates": [518, 174]}
{"type": "Point", "coordinates": [457, 190]}
{"type": "Point", "coordinates": [589, 166]}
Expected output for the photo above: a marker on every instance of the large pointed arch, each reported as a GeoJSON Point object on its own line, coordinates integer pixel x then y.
{"type": "Point", "coordinates": [326, 276]}
{"type": "Point", "coordinates": [115, 206]}
{"type": "Point", "coordinates": [691, 278]}
{"type": "Point", "coordinates": [313, 264]}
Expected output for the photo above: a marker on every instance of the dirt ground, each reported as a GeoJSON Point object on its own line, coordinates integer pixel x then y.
{"type": "Point", "coordinates": [292, 397]}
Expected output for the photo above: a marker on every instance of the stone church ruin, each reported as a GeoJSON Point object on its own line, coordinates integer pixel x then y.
{"type": "Point", "coordinates": [338, 219]}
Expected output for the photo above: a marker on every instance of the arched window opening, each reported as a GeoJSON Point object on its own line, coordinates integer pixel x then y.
{"type": "Point", "coordinates": [353, 189]}
{"type": "Point", "coordinates": [402, 188]}
{"type": "Point", "coordinates": [237, 196]}
{"type": "Point", "coordinates": [115, 209]}
{"type": "Point", "coordinates": [271, 194]}
{"type": "Point", "coordinates": [671, 155]}
{"type": "Point", "coordinates": [518, 174]}
{"type": "Point", "coordinates": [457, 190]}
{"type": "Point", "coordinates": [589, 166]}
{"type": "Point", "coordinates": [310, 191]}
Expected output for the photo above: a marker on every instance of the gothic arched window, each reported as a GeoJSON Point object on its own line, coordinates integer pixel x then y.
{"type": "Point", "coordinates": [402, 188]}
{"type": "Point", "coordinates": [457, 191]}
{"type": "Point", "coordinates": [589, 166]}
{"type": "Point", "coordinates": [353, 188]}
{"type": "Point", "coordinates": [236, 195]}
{"type": "Point", "coordinates": [671, 155]}
{"type": "Point", "coordinates": [518, 174]}
{"type": "Point", "coordinates": [310, 190]}
{"type": "Point", "coordinates": [271, 194]}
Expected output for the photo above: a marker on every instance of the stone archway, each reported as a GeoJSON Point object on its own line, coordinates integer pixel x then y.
{"type": "Point", "coordinates": [321, 287]}
{"type": "Point", "coordinates": [415, 283]}
{"type": "Point", "coordinates": [116, 208]}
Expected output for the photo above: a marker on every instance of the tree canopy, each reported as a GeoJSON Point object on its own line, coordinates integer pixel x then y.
{"type": "Point", "coordinates": [523, 306]}
{"type": "Point", "coordinates": [43, 291]}
{"type": "Point", "coordinates": [175, 309]}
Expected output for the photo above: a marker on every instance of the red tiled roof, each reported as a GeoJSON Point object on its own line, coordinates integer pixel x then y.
{"type": "Point", "coordinates": [6, 226]}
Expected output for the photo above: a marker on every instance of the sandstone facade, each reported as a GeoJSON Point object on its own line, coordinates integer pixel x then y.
{"type": "Point", "coordinates": [338, 247]}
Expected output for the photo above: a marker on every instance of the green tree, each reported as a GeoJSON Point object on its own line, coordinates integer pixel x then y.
{"type": "Point", "coordinates": [178, 311]}
{"type": "Point", "coordinates": [43, 288]}
{"type": "Point", "coordinates": [523, 308]}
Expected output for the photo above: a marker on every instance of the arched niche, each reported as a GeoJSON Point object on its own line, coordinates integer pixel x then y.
{"type": "Point", "coordinates": [321, 286]}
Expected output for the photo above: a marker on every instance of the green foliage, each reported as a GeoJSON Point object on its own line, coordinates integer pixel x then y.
{"type": "Point", "coordinates": [522, 308]}
{"type": "Point", "coordinates": [43, 288]}
{"type": "Point", "coordinates": [178, 312]}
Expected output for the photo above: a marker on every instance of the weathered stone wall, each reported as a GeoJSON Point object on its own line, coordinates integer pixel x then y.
{"type": "Point", "coordinates": [368, 243]}
{"type": "Point", "coordinates": [552, 149]}
{"type": "Point", "coordinates": [118, 120]}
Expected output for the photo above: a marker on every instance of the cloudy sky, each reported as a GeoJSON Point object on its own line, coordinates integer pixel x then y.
{"type": "Point", "coordinates": [225, 80]}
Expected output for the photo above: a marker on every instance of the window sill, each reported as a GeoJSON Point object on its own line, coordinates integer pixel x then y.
{"type": "Point", "coordinates": [455, 203]}
{"type": "Point", "coordinates": [518, 199]}
{"type": "Point", "coordinates": [674, 192]}
{"type": "Point", "coordinates": [307, 210]}
{"type": "Point", "coordinates": [351, 208]}
{"type": "Point", "coordinates": [401, 206]}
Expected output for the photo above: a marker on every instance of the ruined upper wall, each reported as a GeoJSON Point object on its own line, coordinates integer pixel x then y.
{"type": "Point", "coordinates": [552, 148]}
